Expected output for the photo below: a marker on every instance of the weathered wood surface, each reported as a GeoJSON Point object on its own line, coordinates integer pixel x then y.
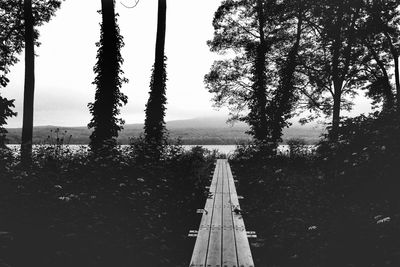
{"type": "Point", "coordinates": [222, 238]}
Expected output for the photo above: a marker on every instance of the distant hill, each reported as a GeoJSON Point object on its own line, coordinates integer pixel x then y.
{"type": "Point", "coordinates": [198, 131]}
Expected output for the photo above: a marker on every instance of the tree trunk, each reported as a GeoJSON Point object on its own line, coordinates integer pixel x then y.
{"type": "Point", "coordinates": [109, 71]}
{"type": "Point", "coordinates": [388, 93]}
{"type": "Point", "coordinates": [29, 86]}
{"type": "Point", "coordinates": [334, 134]}
{"type": "Point", "coordinates": [260, 122]}
{"type": "Point", "coordinates": [155, 108]}
{"type": "Point", "coordinates": [395, 55]}
{"type": "Point", "coordinates": [397, 78]}
{"type": "Point", "coordinates": [282, 103]}
{"type": "Point", "coordinates": [107, 97]}
{"type": "Point", "coordinates": [337, 79]}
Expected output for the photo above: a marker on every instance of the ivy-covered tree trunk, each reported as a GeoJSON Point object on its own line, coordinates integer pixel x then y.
{"type": "Point", "coordinates": [108, 97]}
{"type": "Point", "coordinates": [29, 85]}
{"type": "Point", "coordinates": [154, 126]}
{"type": "Point", "coordinates": [282, 103]}
{"type": "Point", "coordinates": [257, 117]}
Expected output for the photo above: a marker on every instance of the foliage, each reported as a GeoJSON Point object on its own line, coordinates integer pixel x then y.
{"type": "Point", "coordinates": [297, 147]}
{"type": "Point", "coordinates": [311, 208]}
{"type": "Point", "coordinates": [382, 36]}
{"type": "Point", "coordinates": [248, 30]}
{"type": "Point", "coordinates": [12, 33]}
{"type": "Point", "coordinates": [108, 97]}
{"type": "Point", "coordinates": [5, 112]}
{"type": "Point", "coordinates": [367, 145]}
{"type": "Point", "coordinates": [12, 43]}
{"type": "Point", "coordinates": [101, 210]}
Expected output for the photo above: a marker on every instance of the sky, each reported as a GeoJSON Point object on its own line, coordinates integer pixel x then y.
{"type": "Point", "coordinates": [65, 60]}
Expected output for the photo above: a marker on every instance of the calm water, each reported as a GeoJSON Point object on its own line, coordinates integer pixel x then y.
{"type": "Point", "coordinates": [226, 149]}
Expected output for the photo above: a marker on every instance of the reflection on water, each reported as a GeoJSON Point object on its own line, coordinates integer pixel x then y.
{"type": "Point", "coordinates": [229, 149]}
{"type": "Point", "coordinates": [225, 149]}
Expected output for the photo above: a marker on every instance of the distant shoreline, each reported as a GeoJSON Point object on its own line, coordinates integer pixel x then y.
{"type": "Point", "coordinates": [212, 131]}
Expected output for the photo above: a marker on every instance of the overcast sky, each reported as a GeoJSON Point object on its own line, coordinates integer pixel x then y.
{"type": "Point", "coordinates": [64, 65]}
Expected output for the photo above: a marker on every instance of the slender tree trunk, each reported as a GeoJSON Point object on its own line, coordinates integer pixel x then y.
{"type": "Point", "coordinates": [155, 108]}
{"type": "Point", "coordinates": [334, 134]}
{"type": "Point", "coordinates": [388, 93]}
{"type": "Point", "coordinates": [337, 79]}
{"type": "Point", "coordinates": [395, 55]}
{"type": "Point", "coordinates": [260, 127]}
{"type": "Point", "coordinates": [397, 79]}
{"type": "Point", "coordinates": [29, 86]}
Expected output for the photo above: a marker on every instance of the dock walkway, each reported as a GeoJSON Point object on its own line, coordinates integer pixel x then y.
{"type": "Point", "coordinates": [222, 238]}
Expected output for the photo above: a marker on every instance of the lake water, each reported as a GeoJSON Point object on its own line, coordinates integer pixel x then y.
{"type": "Point", "coordinates": [225, 149]}
{"type": "Point", "coordinates": [229, 149]}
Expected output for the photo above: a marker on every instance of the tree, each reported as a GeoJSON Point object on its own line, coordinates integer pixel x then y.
{"type": "Point", "coordinates": [285, 96]}
{"type": "Point", "coordinates": [12, 43]}
{"type": "Point", "coordinates": [154, 125]}
{"type": "Point", "coordinates": [332, 64]}
{"type": "Point", "coordinates": [108, 97]}
{"type": "Point", "coordinates": [382, 35]}
{"type": "Point", "coordinates": [266, 39]}
{"type": "Point", "coordinates": [251, 30]}
{"type": "Point", "coordinates": [29, 85]}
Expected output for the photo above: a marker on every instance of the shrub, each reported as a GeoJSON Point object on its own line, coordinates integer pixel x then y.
{"type": "Point", "coordinates": [368, 146]}
{"type": "Point", "coordinates": [297, 147]}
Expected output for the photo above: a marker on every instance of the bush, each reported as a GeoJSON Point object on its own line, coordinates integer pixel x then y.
{"type": "Point", "coordinates": [368, 146]}
{"type": "Point", "coordinates": [297, 147]}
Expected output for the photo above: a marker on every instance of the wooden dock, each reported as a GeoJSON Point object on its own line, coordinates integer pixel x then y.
{"type": "Point", "coordinates": [222, 238]}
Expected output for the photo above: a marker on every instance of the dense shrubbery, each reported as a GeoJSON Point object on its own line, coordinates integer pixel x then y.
{"type": "Point", "coordinates": [336, 207]}
{"type": "Point", "coordinates": [368, 146]}
{"type": "Point", "coordinates": [103, 209]}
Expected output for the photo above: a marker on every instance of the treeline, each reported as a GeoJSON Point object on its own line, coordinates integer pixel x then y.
{"type": "Point", "coordinates": [285, 57]}
{"type": "Point", "coordinates": [282, 57]}
{"type": "Point", "coordinates": [202, 135]}
{"type": "Point", "coordinates": [19, 22]}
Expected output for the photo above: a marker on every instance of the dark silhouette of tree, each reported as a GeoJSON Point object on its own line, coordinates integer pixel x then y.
{"type": "Point", "coordinates": [332, 64]}
{"type": "Point", "coordinates": [251, 30]}
{"type": "Point", "coordinates": [29, 85]}
{"type": "Point", "coordinates": [354, 42]}
{"type": "Point", "coordinates": [12, 43]}
{"type": "Point", "coordinates": [108, 97]}
{"type": "Point", "coordinates": [382, 35]}
{"type": "Point", "coordinates": [280, 108]}
{"type": "Point", "coordinates": [6, 111]}
{"type": "Point", "coordinates": [154, 125]}
{"type": "Point", "coordinates": [376, 70]}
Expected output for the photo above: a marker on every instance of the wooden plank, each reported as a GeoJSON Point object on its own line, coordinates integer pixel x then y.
{"type": "Point", "coordinates": [245, 258]}
{"type": "Point", "coordinates": [222, 238]}
{"type": "Point", "coordinates": [229, 256]}
{"type": "Point", "coordinates": [201, 246]}
{"type": "Point", "coordinates": [215, 243]}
